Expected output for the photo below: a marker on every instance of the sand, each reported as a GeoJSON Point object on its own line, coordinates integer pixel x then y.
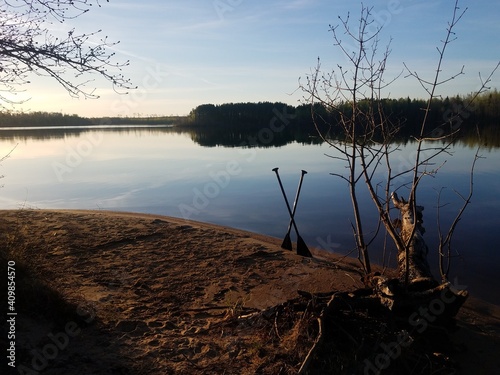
{"type": "Point", "coordinates": [145, 294]}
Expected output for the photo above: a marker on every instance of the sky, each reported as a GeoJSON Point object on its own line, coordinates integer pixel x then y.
{"type": "Point", "coordinates": [191, 52]}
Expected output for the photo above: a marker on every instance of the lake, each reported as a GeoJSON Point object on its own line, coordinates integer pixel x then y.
{"type": "Point", "coordinates": [167, 171]}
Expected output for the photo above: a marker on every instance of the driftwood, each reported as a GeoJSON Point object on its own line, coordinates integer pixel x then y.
{"type": "Point", "coordinates": [443, 300]}
{"type": "Point", "coordinates": [422, 289]}
{"type": "Point", "coordinates": [414, 299]}
{"type": "Point", "coordinates": [411, 231]}
{"type": "Point", "coordinates": [388, 323]}
{"type": "Point", "coordinates": [350, 331]}
{"type": "Point", "coordinates": [412, 313]}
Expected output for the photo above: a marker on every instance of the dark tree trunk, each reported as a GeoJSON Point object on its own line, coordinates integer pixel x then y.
{"type": "Point", "coordinates": [415, 290]}
{"type": "Point", "coordinates": [415, 256]}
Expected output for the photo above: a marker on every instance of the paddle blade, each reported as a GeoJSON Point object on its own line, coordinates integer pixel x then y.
{"type": "Point", "coordinates": [287, 242]}
{"type": "Point", "coordinates": [302, 248]}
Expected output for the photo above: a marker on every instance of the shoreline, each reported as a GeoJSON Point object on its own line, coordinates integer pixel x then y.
{"type": "Point", "coordinates": [481, 287]}
{"type": "Point", "coordinates": [155, 291]}
{"type": "Point", "coordinates": [318, 254]}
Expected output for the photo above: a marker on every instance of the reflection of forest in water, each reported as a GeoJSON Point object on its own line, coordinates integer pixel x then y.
{"type": "Point", "coordinates": [242, 136]}
{"type": "Point", "coordinates": [265, 137]}
{"type": "Point", "coordinates": [49, 133]}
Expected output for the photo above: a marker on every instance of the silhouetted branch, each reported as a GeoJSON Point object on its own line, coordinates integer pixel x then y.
{"type": "Point", "coordinates": [27, 47]}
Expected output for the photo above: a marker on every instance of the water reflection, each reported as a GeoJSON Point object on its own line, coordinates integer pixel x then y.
{"type": "Point", "coordinates": [161, 170]}
{"type": "Point", "coordinates": [45, 133]}
{"type": "Point", "coordinates": [232, 135]}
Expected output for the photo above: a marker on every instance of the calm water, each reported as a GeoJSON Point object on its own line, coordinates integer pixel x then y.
{"type": "Point", "coordinates": [161, 171]}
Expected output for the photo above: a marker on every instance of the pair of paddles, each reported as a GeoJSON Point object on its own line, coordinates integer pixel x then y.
{"type": "Point", "coordinates": [302, 248]}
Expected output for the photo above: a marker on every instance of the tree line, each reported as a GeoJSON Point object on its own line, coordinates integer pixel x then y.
{"type": "Point", "coordinates": [35, 119]}
{"type": "Point", "coordinates": [459, 112]}
{"type": "Point", "coordinates": [46, 119]}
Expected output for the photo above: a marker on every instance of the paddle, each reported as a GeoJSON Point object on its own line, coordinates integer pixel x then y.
{"type": "Point", "coordinates": [302, 248]}
{"type": "Point", "coordinates": [287, 242]}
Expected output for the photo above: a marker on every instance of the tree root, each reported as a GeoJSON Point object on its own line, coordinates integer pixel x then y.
{"type": "Point", "coordinates": [339, 332]}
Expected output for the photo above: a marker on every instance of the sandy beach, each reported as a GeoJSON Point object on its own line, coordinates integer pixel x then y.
{"type": "Point", "coordinates": [123, 293]}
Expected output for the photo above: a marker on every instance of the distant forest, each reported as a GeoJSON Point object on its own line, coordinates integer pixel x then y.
{"type": "Point", "coordinates": [17, 119]}
{"type": "Point", "coordinates": [227, 124]}
{"type": "Point", "coordinates": [233, 121]}
{"type": "Point", "coordinates": [34, 119]}
{"type": "Point", "coordinates": [405, 111]}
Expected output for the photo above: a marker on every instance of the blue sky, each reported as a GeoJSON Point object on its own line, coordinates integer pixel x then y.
{"type": "Point", "coordinates": [191, 52]}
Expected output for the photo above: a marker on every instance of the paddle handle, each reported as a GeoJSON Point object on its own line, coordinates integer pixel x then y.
{"type": "Point", "coordinates": [296, 200]}
{"type": "Point", "coordinates": [286, 199]}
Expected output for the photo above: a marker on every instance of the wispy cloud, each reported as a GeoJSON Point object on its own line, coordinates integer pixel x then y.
{"type": "Point", "coordinates": [299, 4]}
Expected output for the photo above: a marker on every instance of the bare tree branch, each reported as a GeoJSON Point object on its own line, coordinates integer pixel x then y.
{"type": "Point", "coordinates": [352, 97]}
{"type": "Point", "coordinates": [27, 48]}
